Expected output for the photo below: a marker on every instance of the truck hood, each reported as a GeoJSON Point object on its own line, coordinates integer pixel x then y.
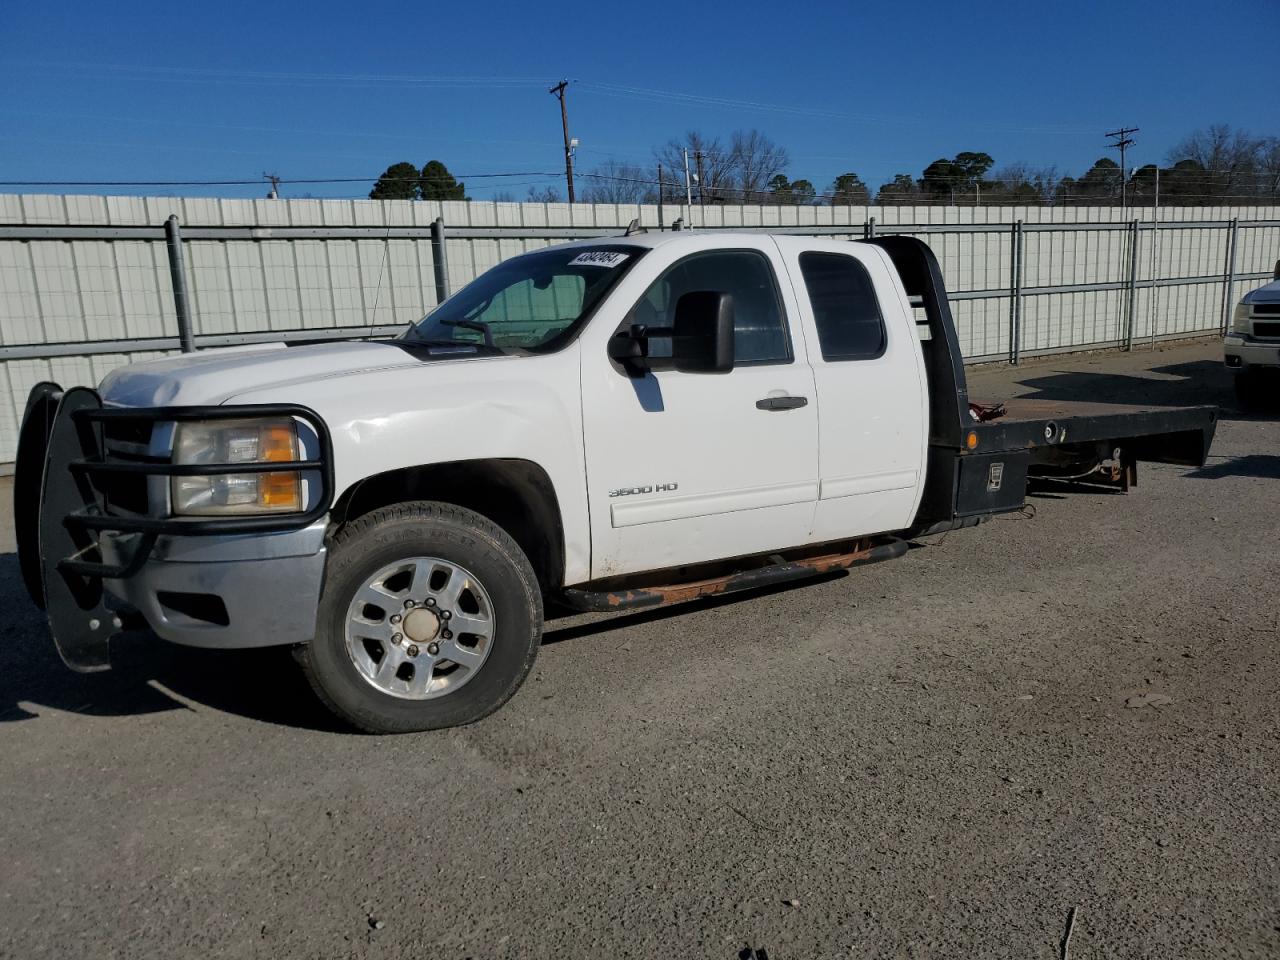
{"type": "Point", "coordinates": [214, 376]}
{"type": "Point", "coordinates": [1268, 294]}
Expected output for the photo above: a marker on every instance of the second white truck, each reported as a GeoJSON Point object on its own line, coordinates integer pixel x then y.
{"type": "Point", "coordinates": [608, 424]}
{"type": "Point", "coordinates": [1251, 347]}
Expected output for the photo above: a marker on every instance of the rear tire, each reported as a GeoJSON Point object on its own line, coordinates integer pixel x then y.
{"type": "Point", "coordinates": [383, 671]}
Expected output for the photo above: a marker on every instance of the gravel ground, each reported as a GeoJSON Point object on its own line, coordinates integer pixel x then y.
{"type": "Point", "coordinates": [937, 757]}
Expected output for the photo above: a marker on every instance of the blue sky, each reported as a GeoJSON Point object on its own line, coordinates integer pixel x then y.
{"type": "Point", "coordinates": [226, 90]}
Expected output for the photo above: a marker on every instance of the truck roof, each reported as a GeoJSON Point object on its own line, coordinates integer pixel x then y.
{"type": "Point", "coordinates": [696, 238]}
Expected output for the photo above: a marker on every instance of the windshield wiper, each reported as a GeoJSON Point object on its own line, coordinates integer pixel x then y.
{"type": "Point", "coordinates": [478, 325]}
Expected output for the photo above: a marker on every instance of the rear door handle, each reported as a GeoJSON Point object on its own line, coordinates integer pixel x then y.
{"type": "Point", "coordinates": [782, 403]}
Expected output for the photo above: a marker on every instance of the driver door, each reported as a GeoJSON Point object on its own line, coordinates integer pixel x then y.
{"type": "Point", "coordinates": [689, 467]}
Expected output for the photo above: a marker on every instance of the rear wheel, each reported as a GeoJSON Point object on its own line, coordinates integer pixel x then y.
{"type": "Point", "coordinates": [430, 617]}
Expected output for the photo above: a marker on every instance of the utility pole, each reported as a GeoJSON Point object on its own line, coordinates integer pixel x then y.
{"type": "Point", "coordinates": [275, 185]}
{"type": "Point", "coordinates": [688, 187]}
{"type": "Point", "coordinates": [661, 224]}
{"type": "Point", "coordinates": [702, 190]}
{"type": "Point", "coordinates": [558, 92]}
{"type": "Point", "coordinates": [1122, 142]}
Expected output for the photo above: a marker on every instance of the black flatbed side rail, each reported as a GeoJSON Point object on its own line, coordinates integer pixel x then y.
{"type": "Point", "coordinates": [1178, 435]}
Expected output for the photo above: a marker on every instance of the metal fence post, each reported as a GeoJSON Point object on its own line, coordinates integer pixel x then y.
{"type": "Point", "coordinates": [869, 229]}
{"type": "Point", "coordinates": [1132, 285]}
{"type": "Point", "coordinates": [1015, 293]}
{"type": "Point", "coordinates": [1229, 277]}
{"type": "Point", "coordinates": [178, 275]}
{"type": "Point", "coordinates": [439, 260]}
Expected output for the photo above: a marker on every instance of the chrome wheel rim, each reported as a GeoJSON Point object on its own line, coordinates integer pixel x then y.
{"type": "Point", "coordinates": [420, 628]}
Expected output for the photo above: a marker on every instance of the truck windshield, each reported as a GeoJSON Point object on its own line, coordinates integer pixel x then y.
{"type": "Point", "coordinates": [533, 302]}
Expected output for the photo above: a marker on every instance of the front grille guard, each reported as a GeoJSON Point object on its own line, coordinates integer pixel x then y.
{"type": "Point", "coordinates": [61, 511]}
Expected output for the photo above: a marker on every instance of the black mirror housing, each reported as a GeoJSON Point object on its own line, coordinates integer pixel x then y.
{"type": "Point", "coordinates": [627, 348]}
{"type": "Point", "coordinates": [702, 334]}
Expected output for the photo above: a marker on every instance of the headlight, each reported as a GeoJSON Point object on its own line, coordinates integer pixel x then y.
{"type": "Point", "coordinates": [273, 440]}
{"type": "Point", "coordinates": [1240, 319]}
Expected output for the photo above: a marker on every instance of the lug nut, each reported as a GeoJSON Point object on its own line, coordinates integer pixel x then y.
{"type": "Point", "coordinates": [396, 638]}
{"type": "Point", "coordinates": [445, 615]}
{"type": "Point", "coordinates": [447, 635]}
{"type": "Point", "coordinates": [395, 618]}
{"type": "Point", "coordinates": [433, 648]}
{"type": "Point", "coordinates": [413, 650]}
{"type": "Point", "coordinates": [431, 601]}
{"type": "Point", "coordinates": [408, 604]}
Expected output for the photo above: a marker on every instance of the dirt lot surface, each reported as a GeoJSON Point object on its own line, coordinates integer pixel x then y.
{"type": "Point", "coordinates": [937, 757]}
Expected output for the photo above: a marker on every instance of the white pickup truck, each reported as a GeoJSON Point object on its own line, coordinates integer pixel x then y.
{"type": "Point", "coordinates": [602, 425]}
{"type": "Point", "coordinates": [1251, 347]}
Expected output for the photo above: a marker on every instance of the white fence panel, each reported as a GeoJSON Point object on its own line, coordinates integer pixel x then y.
{"type": "Point", "coordinates": [71, 309]}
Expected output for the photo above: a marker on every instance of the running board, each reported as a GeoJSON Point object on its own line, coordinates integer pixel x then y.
{"type": "Point", "coordinates": [600, 601]}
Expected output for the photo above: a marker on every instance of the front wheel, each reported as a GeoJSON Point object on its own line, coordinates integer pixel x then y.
{"type": "Point", "coordinates": [430, 617]}
{"type": "Point", "coordinates": [1248, 388]}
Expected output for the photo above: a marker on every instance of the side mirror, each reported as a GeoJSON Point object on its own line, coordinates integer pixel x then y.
{"type": "Point", "coordinates": [702, 334]}
{"type": "Point", "coordinates": [629, 349]}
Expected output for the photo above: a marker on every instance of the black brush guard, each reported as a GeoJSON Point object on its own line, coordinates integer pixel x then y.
{"type": "Point", "coordinates": [61, 508]}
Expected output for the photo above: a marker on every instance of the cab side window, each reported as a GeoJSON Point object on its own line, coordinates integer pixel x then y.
{"type": "Point", "coordinates": [759, 324]}
{"type": "Point", "coordinates": [845, 309]}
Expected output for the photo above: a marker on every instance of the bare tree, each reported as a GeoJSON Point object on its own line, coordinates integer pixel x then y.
{"type": "Point", "coordinates": [756, 160]}
{"type": "Point", "coordinates": [616, 182]}
{"type": "Point", "coordinates": [717, 178]}
{"type": "Point", "coordinates": [1228, 158]}
{"type": "Point", "coordinates": [545, 195]}
{"type": "Point", "coordinates": [1269, 168]}
{"type": "Point", "coordinates": [1017, 183]}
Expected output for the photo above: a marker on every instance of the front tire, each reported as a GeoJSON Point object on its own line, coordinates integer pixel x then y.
{"type": "Point", "coordinates": [1248, 388]}
{"type": "Point", "coordinates": [430, 617]}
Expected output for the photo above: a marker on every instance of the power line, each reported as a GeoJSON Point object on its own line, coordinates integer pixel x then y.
{"type": "Point", "coordinates": [258, 180]}
{"type": "Point", "coordinates": [694, 99]}
{"type": "Point", "coordinates": [1200, 178]}
{"type": "Point", "coordinates": [204, 75]}
{"type": "Point", "coordinates": [600, 88]}
{"type": "Point", "coordinates": [1203, 176]}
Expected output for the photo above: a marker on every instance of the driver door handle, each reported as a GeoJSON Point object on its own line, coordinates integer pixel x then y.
{"type": "Point", "coordinates": [782, 403]}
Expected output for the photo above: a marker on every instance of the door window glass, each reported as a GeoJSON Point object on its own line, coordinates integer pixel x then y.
{"type": "Point", "coordinates": [759, 324]}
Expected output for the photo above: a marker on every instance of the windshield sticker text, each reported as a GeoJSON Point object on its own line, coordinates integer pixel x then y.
{"type": "Point", "coordinates": [599, 258]}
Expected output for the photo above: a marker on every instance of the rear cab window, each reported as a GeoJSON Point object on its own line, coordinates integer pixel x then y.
{"type": "Point", "coordinates": [845, 309]}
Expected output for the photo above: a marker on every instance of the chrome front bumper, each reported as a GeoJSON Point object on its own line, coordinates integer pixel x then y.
{"type": "Point", "coordinates": [1242, 352]}
{"type": "Point", "coordinates": [228, 592]}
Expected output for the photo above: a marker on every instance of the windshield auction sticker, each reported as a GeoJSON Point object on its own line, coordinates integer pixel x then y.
{"type": "Point", "coordinates": [599, 258]}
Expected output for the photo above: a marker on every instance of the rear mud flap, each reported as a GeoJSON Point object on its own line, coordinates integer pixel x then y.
{"type": "Point", "coordinates": [81, 623]}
